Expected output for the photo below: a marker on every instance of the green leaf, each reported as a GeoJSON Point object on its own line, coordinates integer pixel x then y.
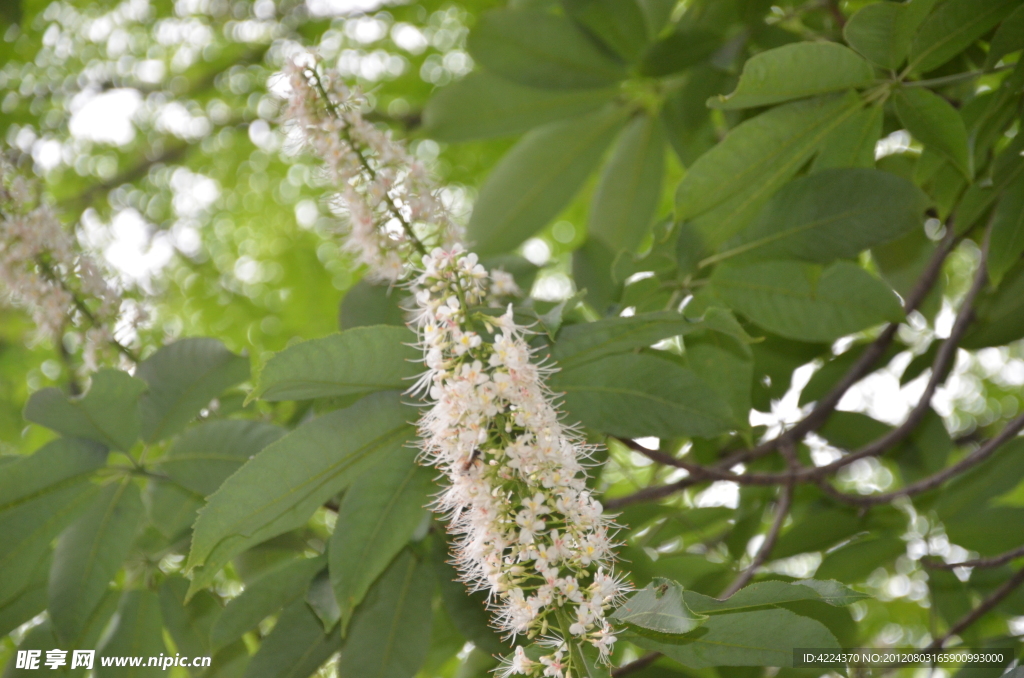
{"type": "Point", "coordinates": [1007, 240]}
{"type": "Point", "coordinates": [979, 196]}
{"type": "Point", "coordinates": [467, 610]}
{"type": "Point", "coordinates": [755, 638]}
{"type": "Point", "coordinates": [322, 601]}
{"type": "Point", "coordinates": [357, 361]}
{"type": "Point", "coordinates": [952, 28]}
{"type": "Point", "coordinates": [538, 49]}
{"type": "Point", "coordinates": [377, 516]}
{"type": "Point", "coordinates": [88, 555]}
{"type": "Point", "coordinates": [627, 196]}
{"type": "Point", "coordinates": [853, 562]}
{"type": "Point", "coordinates": [263, 597]}
{"type": "Point", "coordinates": [970, 491]}
{"type": "Point", "coordinates": [482, 105]}
{"type": "Point", "coordinates": [935, 123]}
{"type": "Point", "coordinates": [538, 177]}
{"type": "Point", "coordinates": [726, 187]}
{"type": "Point", "coordinates": [390, 632]}
{"type": "Point", "coordinates": [583, 342]}
{"type": "Point", "coordinates": [829, 215]}
{"type": "Point", "coordinates": [40, 638]}
{"type": "Point", "coordinates": [635, 395]}
{"type": "Point", "coordinates": [796, 71]}
{"type": "Point", "coordinates": [183, 378]}
{"type": "Point", "coordinates": [138, 633]}
{"type": "Point", "coordinates": [296, 647]}
{"type": "Point", "coordinates": [805, 301]}
{"type": "Point", "coordinates": [1008, 39]}
{"type": "Point", "coordinates": [188, 623]}
{"type": "Point", "coordinates": [366, 303]}
{"type": "Point", "coordinates": [726, 365]}
{"type": "Point", "coordinates": [775, 593]}
{"type": "Point", "coordinates": [1000, 313]}
{"type": "Point", "coordinates": [657, 14]}
{"type": "Point", "coordinates": [678, 51]}
{"type": "Point", "coordinates": [989, 532]}
{"type": "Point", "coordinates": [108, 413]}
{"type": "Point", "coordinates": [27, 602]}
{"type": "Point", "coordinates": [658, 610]}
{"type": "Point", "coordinates": [172, 509]}
{"type": "Point", "coordinates": [883, 31]}
{"type": "Point", "coordinates": [205, 455]}
{"type": "Point", "coordinates": [39, 496]}
{"type": "Point", "coordinates": [852, 144]}
{"type": "Point", "coordinates": [280, 488]}
{"type": "Point", "coordinates": [620, 24]}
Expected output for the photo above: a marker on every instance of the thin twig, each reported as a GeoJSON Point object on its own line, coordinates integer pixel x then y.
{"type": "Point", "coordinates": [936, 479]}
{"type": "Point", "coordinates": [977, 613]}
{"type": "Point", "coordinates": [983, 563]}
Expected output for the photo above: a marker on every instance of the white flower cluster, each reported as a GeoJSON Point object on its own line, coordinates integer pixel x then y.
{"type": "Point", "coordinates": [42, 271]}
{"type": "Point", "coordinates": [529, 531]}
{"type": "Point", "coordinates": [388, 197]}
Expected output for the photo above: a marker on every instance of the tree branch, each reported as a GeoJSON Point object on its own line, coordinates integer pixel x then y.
{"type": "Point", "coordinates": [994, 561]}
{"type": "Point", "coordinates": [931, 482]}
{"type": "Point", "coordinates": [977, 613]}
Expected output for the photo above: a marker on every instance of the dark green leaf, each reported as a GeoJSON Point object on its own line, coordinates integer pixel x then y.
{"type": "Point", "coordinates": [635, 395]}
{"type": "Point", "coordinates": [726, 364]}
{"type": "Point", "coordinates": [390, 632]}
{"type": "Point", "coordinates": [970, 491]}
{"type": "Point", "coordinates": [619, 23]}
{"type": "Point", "coordinates": [366, 303]}
{"type": "Point", "coordinates": [1008, 39]}
{"type": "Point", "coordinates": [584, 342]}
{"type": "Point", "coordinates": [281, 487]}
{"type": "Point", "coordinates": [27, 602]}
{"type": "Point", "coordinates": [263, 597]}
{"type": "Point", "coordinates": [538, 177]}
{"type": "Point", "coordinates": [756, 638]}
{"type": "Point", "coordinates": [853, 562]}
{"type": "Point", "coordinates": [995, 530]}
{"type": "Point", "coordinates": [796, 71]}
{"type": "Point", "coordinates": [205, 455]}
{"type": "Point", "coordinates": [935, 123]}
{"type": "Point", "coordinates": [357, 361]}
{"type": "Point", "coordinates": [538, 49]}
{"type": "Point", "coordinates": [774, 593]}
{"type": "Point", "coordinates": [40, 638]}
{"type": "Point", "coordinates": [39, 496]}
{"type": "Point", "coordinates": [805, 301]}
{"type": "Point", "coordinates": [979, 196]}
{"type": "Point", "coordinates": [883, 31]}
{"type": "Point", "coordinates": [627, 197]}
{"type": "Point", "coordinates": [183, 378]}
{"type": "Point", "coordinates": [1000, 314]}
{"type": "Point", "coordinates": [829, 215]}
{"type": "Point", "coordinates": [656, 13]}
{"type": "Point", "coordinates": [138, 633]}
{"type": "Point", "coordinates": [482, 105]}
{"type": "Point", "coordinates": [954, 26]}
{"type": "Point", "coordinates": [322, 601]}
{"type": "Point", "coordinates": [467, 610]}
{"type": "Point", "coordinates": [1007, 243]}
{"type": "Point", "coordinates": [296, 647]}
{"type": "Point", "coordinates": [852, 144]}
{"type": "Point", "coordinates": [172, 509]}
{"type": "Point", "coordinates": [658, 610]}
{"type": "Point", "coordinates": [108, 413]}
{"type": "Point", "coordinates": [376, 518]}
{"type": "Point", "coordinates": [678, 51]}
{"type": "Point", "coordinates": [189, 624]}
{"type": "Point", "coordinates": [88, 555]}
{"type": "Point", "coordinates": [726, 187]}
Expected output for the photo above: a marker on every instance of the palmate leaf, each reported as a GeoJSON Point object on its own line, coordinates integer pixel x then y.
{"type": "Point", "coordinates": [951, 28]}
{"type": "Point", "coordinates": [296, 647]}
{"type": "Point", "coordinates": [281, 487]}
{"type": "Point", "coordinates": [936, 124]}
{"type": "Point", "coordinates": [658, 610]}
{"type": "Point", "coordinates": [139, 632]}
{"type": "Point", "coordinates": [883, 31]}
{"type": "Point", "coordinates": [796, 71]}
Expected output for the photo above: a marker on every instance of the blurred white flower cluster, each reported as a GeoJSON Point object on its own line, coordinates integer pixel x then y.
{"type": "Point", "coordinates": [388, 197]}
{"type": "Point", "coordinates": [529, 531]}
{"type": "Point", "coordinates": [43, 271]}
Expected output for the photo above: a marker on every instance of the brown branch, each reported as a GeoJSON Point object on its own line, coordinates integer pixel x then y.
{"type": "Point", "coordinates": [636, 664]}
{"type": "Point", "coordinates": [936, 479]}
{"type": "Point", "coordinates": [836, 12]}
{"type": "Point", "coordinates": [994, 561]}
{"type": "Point", "coordinates": [997, 596]}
